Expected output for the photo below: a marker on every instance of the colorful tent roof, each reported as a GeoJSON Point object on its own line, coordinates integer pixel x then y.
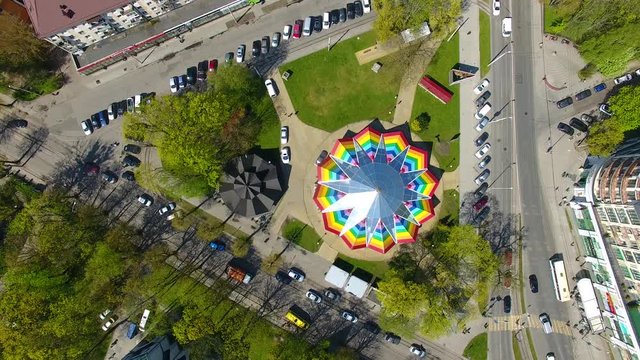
{"type": "Point", "coordinates": [374, 190]}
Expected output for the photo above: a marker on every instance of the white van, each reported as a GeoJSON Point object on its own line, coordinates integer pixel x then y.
{"type": "Point", "coordinates": [506, 27]}
{"type": "Point", "coordinates": [325, 20]}
{"type": "Point", "coordinates": [306, 29]}
{"type": "Point", "coordinates": [271, 89]}
{"type": "Point", "coordinates": [366, 6]}
{"type": "Point", "coordinates": [483, 111]}
{"type": "Point", "coordinates": [143, 320]}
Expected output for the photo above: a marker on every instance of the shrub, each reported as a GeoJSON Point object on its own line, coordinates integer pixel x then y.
{"type": "Point", "coordinates": [240, 247]}
{"type": "Point", "coordinates": [588, 71]}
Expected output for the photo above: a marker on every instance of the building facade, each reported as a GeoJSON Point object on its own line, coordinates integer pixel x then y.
{"type": "Point", "coordinates": [606, 208]}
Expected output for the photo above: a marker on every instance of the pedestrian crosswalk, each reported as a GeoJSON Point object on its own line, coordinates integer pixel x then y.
{"type": "Point", "coordinates": [521, 321]}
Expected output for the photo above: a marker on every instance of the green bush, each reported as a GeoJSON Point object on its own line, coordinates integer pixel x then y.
{"type": "Point", "coordinates": [588, 71]}
{"type": "Point", "coordinates": [240, 247]}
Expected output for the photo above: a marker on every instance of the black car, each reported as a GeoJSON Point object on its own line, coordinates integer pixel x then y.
{"type": "Point", "coordinates": [109, 176]}
{"type": "Point", "coordinates": [192, 73]}
{"type": "Point", "coordinates": [481, 216]}
{"type": "Point", "coordinates": [317, 23]}
{"type": "Point", "coordinates": [202, 70]}
{"type": "Point", "coordinates": [265, 45]}
{"type": "Point", "coordinates": [533, 283]}
{"type": "Point", "coordinates": [479, 192]}
{"type": "Point", "coordinates": [351, 11]}
{"type": "Point", "coordinates": [480, 101]}
{"type": "Point", "coordinates": [95, 121]}
{"type": "Point", "coordinates": [134, 149]}
{"type": "Point", "coordinates": [283, 277]}
{"type": "Point", "coordinates": [334, 15]}
{"type": "Point", "coordinates": [372, 327]}
{"type": "Point", "coordinates": [481, 139]}
{"type": "Point", "coordinates": [564, 102]}
{"type": "Point", "coordinates": [255, 52]}
{"type": "Point", "coordinates": [358, 7]}
{"type": "Point", "coordinates": [343, 15]}
{"type": "Point", "coordinates": [128, 175]}
{"type": "Point", "coordinates": [583, 95]}
{"type": "Point", "coordinates": [122, 107]}
{"type": "Point", "coordinates": [17, 123]}
{"type": "Point", "coordinates": [578, 125]}
{"type": "Point", "coordinates": [131, 161]}
{"type": "Point", "coordinates": [565, 128]}
{"type": "Point", "coordinates": [507, 304]}
{"type": "Point", "coordinates": [392, 338]}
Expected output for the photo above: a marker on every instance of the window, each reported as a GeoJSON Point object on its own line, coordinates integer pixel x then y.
{"type": "Point", "coordinates": [622, 215]}
{"type": "Point", "coordinates": [628, 256]}
{"type": "Point", "coordinates": [602, 214]}
{"type": "Point", "coordinates": [626, 272]}
{"type": "Point", "coordinates": [633, 216]}
{"type": "Point", "coordinates": [635, 273]}
{"type": "Point", "coordinates": [637, 256]}
{"type": "Point", "coordinates": [612, 215]}
{"type": "Point", "coordinates": [619, 254]}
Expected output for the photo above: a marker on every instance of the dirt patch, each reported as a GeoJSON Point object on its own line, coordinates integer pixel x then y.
{"type": "Point", "coordinates": [374, 52]}
{"type": "Point", "coordinates": [242, 19]}
{"type": "Point", "coordinates": [274, 6]}
{"type": "Point", "coordinates": [442, 148]}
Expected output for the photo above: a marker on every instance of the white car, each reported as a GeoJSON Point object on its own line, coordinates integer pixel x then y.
{"type": "Point", "coordinates": [145, 200]}
{"type": "Point", "coordinates": [480, 88]}
{"type": "Point", "coordinates": [285, 155]}
{"type": "Point", "coordinates": [296, 275]}
{"type": "Point", "coordinates": [482, 124]}
{"type": "Point", "coordinates": [417, 350]}
{"type": "Point", "coordinates": [349, 316]}
{"type": "Point", "coordinates": [271, 89]}
{"type": "Point", "coordinates": [366, 6]}
{"type": "Point", "coordinates": [622, 79]}
{"type": "Point", "coordinates": [496, 7]}
{"type": "Point", "coordinates": [326, 23]}
{"type": "Point", "coordinates": [314, 296]}
{"type": "Point", "coordinates": [137, 100]}
{"type": "Point", "coordinates": [507, 27]}
{"type": "Point", "coordinates": [167, 208]}
{"type": "Point", "coordinates": [286, 32]}
{"type": "Point", "coordinates": [484, 110]}
{"type": "Point", "coordinates": [86, 127]}
{"type": "Point", "coordinates": [173, 84]}
{"type": "Point", "coordinates": [240, 53]}
{"type": "Point", "coordinates": [108, 324]}
{"type": "Point", "coordinates": [110, 113]}
{"type": "Point", "coordinates": [551, 356]}
{"type": "Point", "coordinates": [483, 150]}
{"type": "Point", "coordinates": [284, 135]}
{"type": "Point", "coordinates": [104, 314]}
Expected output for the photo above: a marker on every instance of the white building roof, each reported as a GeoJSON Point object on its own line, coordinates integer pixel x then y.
{"type": "Point", "coordinates": [356, 286]}
{"type": "Point", "coordinates": [336, 277]}
{"type": "Point", "coordinates": [590, 303]}
{"type": "Point", "coordinates": [409, 35]}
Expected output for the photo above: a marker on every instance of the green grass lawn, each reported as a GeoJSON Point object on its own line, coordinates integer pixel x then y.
{"type": "Point", "coordinates": [301, 234]}
{"type": "Point", "coordinates": [485, 43]}
{"type": "Point", "coordinates": [450, 205]}
{"type": "Point", "coordinates": [445, 118]}
{"type": "Point", "coordinates": [477, 348]}
{"type": "Point", "coordinates": [330, 90]}
{"type": "Point", "coordinates": [269, 136]}
{"type": "Point", "coordinates": [377, 268]}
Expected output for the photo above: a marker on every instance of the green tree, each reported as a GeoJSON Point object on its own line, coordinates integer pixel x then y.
{"type": "Point", "coordinates": [404, 298]}
{"type": "Point", "coordinates": [18, 45]}
{"type": "Point", "coordinates": [396, 16]}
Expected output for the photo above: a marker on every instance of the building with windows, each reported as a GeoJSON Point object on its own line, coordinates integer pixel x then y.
{"type": "Point", "coordinates": [99, 33]}
{"type": "Point", "coordinates": [606, 208]}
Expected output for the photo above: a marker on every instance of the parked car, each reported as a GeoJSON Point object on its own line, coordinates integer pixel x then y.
{"type": "Point", "coordinates": [507, 304]}
{"type": "Point", "coordinates": [213, 65]}
{"type": "Point", "coordinates": [323, 155]}
{"type": "Point", "coordinates": [483, 150]}
{"type": "Point", "coordinates": [482, 99]}
{"type": "Point", "coordinates": [588, 119]}
{"type": "Point", "coordinates": [481, 87]}
{"type": "Point", "coordinates": [103, 315]}
{"type": "Point", "coordinates": [271, 88]}
{"type": "Point", "coordinates": [111, 114]}
{"type": "Point", "coordinates": [547, 327]}
{"type": "Point", "coordinates": [285, 155]}
{"type": "Point", "coordinates": [481, 203]}
{"type": "Point", "coordinates": [372, 327]}
{"type": "Point", "coordinates": [131, 148]}
{"type": "Point", "coordinates": [145, 199]}
{"type": "Point", "coordinates": [284, 135]}
{"type": "Point", "coordinates": [599, 87]}
{"type": "Point", "coordinates": [130, 160]}
{"type": "Point", "coordinates": [326, 21]}
{"type": "Point", "coordinates": [578, 125]}
{"type": "Point", "coordinates": [203, 67]}
{"type": "Point", "coordinates": [551, 356]}
{"type": "Point", "coordinates": [565, 128]}
{"type": "Point", "coordinates": [167, 208]}
{"type": "Point", "coordinates": [129, 176]}
{"type": "Point", "coordinates": [335, 16]}
{"type": "Point", "coordinates": [533, 283]}
{"type": "Point", "coordinates": [106, 326]}
{"type": "Point", "coordinates": [484, 110]}
{"type": "Point", "coordinates": [349, 316]}
{"type": "Point", "coordinates": [583, 94]}
{"type": "Point", "coordinates": [192, 73]}
{"type": "Point", "coordinates": [95, 121]}
{"type": "Point", "coordinates": [297, 29]}
{"type": "Point", "coordinates": [496, 7]}
{"type": "Point", "coordinates": [255, 49]}
{"type": "Point", "coordinates": [605, 109]}
{"type": "Point", "coordinates": [482, 123]}
{"type": "Point", "coordinates": [86, 127]}
{"type": "Point", "coordinates": [357, 5]}
{"type": "Point", "coordinates": [482, 177]}
{"type": "Point", "coordinates": [275, 40]}
{"type": "Point", "coordinates": [317, 23]}
{"type": "Point", "coordinates": [182, 82]}
{"type": "Point", "coordinates": [418, 350]}
{"type": "Point", "coordinates": [478, 219]}
{"type": "Point", "coordinates": [122, 107]}
{"type": "Point", "coordinates": [296, 274]}
{"type": "Point", "coordinates": [481, 139]}
{"type": "Point", "coordinates": [564, 102]}
{"type": "Point", "coordinates": [343, 15]}
{"type": "Point", "coordinates": [103, 118]}
{"type": "Point", "coordinates": [484, 162]}
{"type": "Point", "coordinates": [392, 338]}
{"type": "Point", "coordinates": [622, 79]}
{"type": "Point", "coordinates": [283, 278]}
{"type": "Point", "coordinates": [173, 84]}
{"type": "Point", "coordinates": [130, 105]}
{"type": "Point", "coordinates": [228, 57]}
{"type": "Point", "coordinates": [351, 12]}
{"type": "Point", "coordinates": [332, 295]}
{"type": "Point", "coordinates": [265, 45]}
{"type": "Point", "coordinates": [314, 296]}
{"type": "Point", "coordinates": [217, 245]}
{"type": "Point", "coordinates": [240, 53]}
{"type": "Point", "coordinates": [286, 32]}
{"type": "Point", "coordinates": [481, 190]}
{"type": "Point", "coordinates": [366, 6]}
{"type": "Point", "coordinates": [109, 176]}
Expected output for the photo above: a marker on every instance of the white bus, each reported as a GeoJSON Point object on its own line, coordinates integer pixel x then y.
{"type": "Point", "coordinates": [559, 276]}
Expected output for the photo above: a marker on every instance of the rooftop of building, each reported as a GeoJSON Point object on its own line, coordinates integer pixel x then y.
{"type": "Point", "coordinates": [50, 17]}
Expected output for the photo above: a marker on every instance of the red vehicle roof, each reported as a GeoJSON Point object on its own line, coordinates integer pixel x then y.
{"type": "Point", "coordinates": [435, 89]}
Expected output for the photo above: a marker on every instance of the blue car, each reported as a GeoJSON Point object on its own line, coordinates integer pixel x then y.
{"type": "Point", "coordinates": [599, 87]}
{"type": "Point", "coordinates": [103, 118]}
{"type": "Point", "coordinates": [217, 245]}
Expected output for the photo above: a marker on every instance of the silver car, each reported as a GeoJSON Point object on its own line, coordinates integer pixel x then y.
{"type": "Point", "coordinates": [483, 164]}
{"type": "Point", "coordinates": [484, 175]}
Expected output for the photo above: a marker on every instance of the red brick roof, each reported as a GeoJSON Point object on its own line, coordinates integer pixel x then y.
{"type": "Point", "coordinates": [432, 87]}
{"type": "Point", "coordinates": [50, 17]}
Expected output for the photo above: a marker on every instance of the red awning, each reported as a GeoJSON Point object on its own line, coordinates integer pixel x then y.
{"type": "Point", "coordinates": [435, 89]}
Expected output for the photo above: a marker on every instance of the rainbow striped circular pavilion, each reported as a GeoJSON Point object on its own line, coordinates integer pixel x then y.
{"type": "Point", "coordinates": [375, 190]}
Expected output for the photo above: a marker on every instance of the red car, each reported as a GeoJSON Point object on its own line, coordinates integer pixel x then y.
{"type": "Point", "coordinates": [297, 29]}
{"type": "Point", "coordinates": [481, 203]}
{"type": "Point", "coordinates": [213, 65]}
